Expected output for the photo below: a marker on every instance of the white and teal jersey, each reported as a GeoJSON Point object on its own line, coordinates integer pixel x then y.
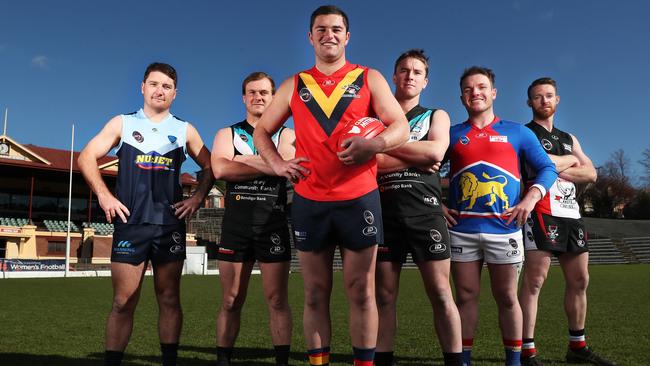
{"type": "Point", "coordinates": [150, 158]}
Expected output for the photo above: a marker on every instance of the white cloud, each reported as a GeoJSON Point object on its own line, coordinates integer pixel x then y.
{"type": "Point", "coordinates": [40, 61]}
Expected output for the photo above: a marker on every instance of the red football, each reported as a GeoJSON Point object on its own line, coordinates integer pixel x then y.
{"type": "Point", "coordinates": [367, 127]}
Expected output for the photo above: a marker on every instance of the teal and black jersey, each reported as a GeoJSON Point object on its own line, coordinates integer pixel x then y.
{"type": "Point", "coordinates": [260, 201]}
{"type": "Point", "coordinates": [412, 192]}
{"type": "Point", "coordinates": [150, 157]}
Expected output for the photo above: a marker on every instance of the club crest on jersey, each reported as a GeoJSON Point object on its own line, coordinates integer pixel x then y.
{"type": "Point", "coordinates": [546, 144]}
{"type": "Point", "coordinates": [351, 91]}
{"type": "Point", "coordinates": [243, 137]}
{"type": "Point", "coordinates": [305, 95]}
{"type": "Point", "coordinates": [568, 191]}
{"type": "Point", "coordinates": [137, 136]}
{"type": "Point", "coordinates": [464, 140]}
{"type": "Point", "coordinates": [153, 161]}
{"type": "Point", "coordinates": [172, 139]}
{"type": "Point", "coordinates": [473, 189]}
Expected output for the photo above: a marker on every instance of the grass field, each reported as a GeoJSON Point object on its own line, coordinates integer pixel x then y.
{"type": "Point", "coordinates": [61, 322]}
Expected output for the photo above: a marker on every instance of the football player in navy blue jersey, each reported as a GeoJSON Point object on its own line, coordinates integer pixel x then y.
{"type": "Point", "coordinates": [148, 209]}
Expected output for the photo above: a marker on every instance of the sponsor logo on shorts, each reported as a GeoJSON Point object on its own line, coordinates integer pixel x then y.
{"type": "Point", "coordinates": [383, 249]}
{"type": "Point", "coordinates": [513, 243]}
{"type": "Point", "coordinates": [300, 235]}
{"type": "Point", "coordinates": [435, 235]}
{"type": "Point", "coordinates": [123, 247]}
{"type": "Point", "coordinates": [305, 95]}
{"type": "Point", "coordinates": [464, 140]}
{"type": "Point", "coordinates": [513, 253]}
{"type": "Point", "coordinates": [458, 250]}
{"type": "Point", "coordinates": [431, 200]}
{"type": "Point", "coordinates": [177, 249]}
{"type": "Point", "coordinates": [530, 221]}
{"type": "Point", "coordinates": [275, 239]}
{"type": "Point", "coordinates": [581, 243]}
{"type": "Point", "coordinates": [137, 136]}
{"type": "Point", "coordinates": [370, 231]}
{"type": "Point", "coordinates": [437, 248]}
{"type": "Point", "coordinates": [176, 236]}
{"type": "Point", "coordinates": [546, 144]}
{"type": "Point", "coordinates": [552, 233]}
{"type": "Point", "coordinates": [369, 217]}
{"type": "Point", "coordinates": [530, 236]}
{"type": "Point", "coordinates": [351, 91]}
{"type": "Point", "coordinates": [277, 249]}
{"type": "Point", "coordinates": [498, 138]}
{"type": "Point", "coordinates": [581, 234]}
{"type": "Point", "coordinates": [226, 251]}
{"type": "Point", "coordinates": [172, 139]}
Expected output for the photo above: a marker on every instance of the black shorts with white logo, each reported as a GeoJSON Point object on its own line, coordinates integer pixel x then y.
{"type": "Point", "coordinates": [555, 234]}
{"type": "Point", "coordinates": [353, 224]}
{"type": "Point", "coordinates": [267, 243]}
{"type": "Point", "coordinates": [136, 243]}
{"type": "Point", "coordinates": [425, 237]}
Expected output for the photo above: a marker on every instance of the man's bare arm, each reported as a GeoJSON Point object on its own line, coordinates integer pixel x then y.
{"type": "Point", "coordinates": [433, 149]}
{"type": "Point", "coordinates": [584, 172]}
{"type": "Point", "coordinates": [226, 166]}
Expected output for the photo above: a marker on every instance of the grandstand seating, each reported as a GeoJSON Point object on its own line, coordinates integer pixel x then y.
{"type": "Point", "coordinates": [60, 226]}
{"type": "Point", "coordinates": [13, 221]}
{"type": "Point", "coordinates": [640, 246]}
{"type": "Point", "coordinates": [101, 228]}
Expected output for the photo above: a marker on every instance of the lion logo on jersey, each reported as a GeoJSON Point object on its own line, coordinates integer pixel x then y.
{"type": "Point", "coordinates": [472, 189]}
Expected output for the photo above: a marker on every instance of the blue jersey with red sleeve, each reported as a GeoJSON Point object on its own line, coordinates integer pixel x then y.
{"type": "Point", "coordinates": [485, 176]}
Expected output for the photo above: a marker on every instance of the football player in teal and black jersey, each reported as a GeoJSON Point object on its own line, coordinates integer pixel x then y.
{"type": "Point", "coordinates": [148, 209]}
{"type": "Point", "coordinates": [254, 224]}
{"type": "Point", "coordinates": [410, 192]}
{"type": "Point", "coordinates": [555, 228]}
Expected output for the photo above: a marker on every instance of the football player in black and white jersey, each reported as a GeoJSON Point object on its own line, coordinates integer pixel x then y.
{"type": "Point", "coordinates": [254, 224]}
{"type": "Point", "coordinates": [410, 192]}
{"type": "Point", "coordinates": [555, 228]}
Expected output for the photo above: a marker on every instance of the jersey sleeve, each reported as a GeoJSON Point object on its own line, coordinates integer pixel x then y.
{"type": "Point", "coordinates": [538, 161]}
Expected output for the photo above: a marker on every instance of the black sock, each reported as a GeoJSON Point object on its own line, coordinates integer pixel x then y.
{"type": "Point", "coordinates": [384, 358]}
{"type": "Point", "coordinates": [453, 359]}
{"type": "Point", "coordinates": [113, 358]}
{"type": "Point", "coordinates": [282, 354]}
{"type": "Point", "coordinates": [169, 353]}
{"type": "Point", "coordinates": [224, 354]}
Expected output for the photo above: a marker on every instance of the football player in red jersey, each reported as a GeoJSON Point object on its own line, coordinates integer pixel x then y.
{"type": "Point", "coordinates": [336, 200]}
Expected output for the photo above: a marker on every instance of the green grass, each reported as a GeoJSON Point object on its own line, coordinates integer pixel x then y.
{"type": "Point", "coordinates": [61, 322]}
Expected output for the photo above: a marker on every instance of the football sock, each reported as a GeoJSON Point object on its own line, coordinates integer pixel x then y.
{"type": "Point", "coordinates": [223, 355]}
{"type": "Point", "coordinates": [513, 351]}
{"type": "Point", "coordinates": [113, 358]}
{"type": "Point", "coordinates": [528, 348]}
{"type": "Point", "coordinates": [453, 359]}
{"type": "Point", "coordinates": [363, 356]}
{"type": "Point", "coordinates": [467, 351]}
{"type": "Point", "coordinates": [282, 354]}
{"type": "Point", "coordinates": [384, 358]}
{"type": "Point", "coordinates": [319, 356]}
{"type": "Point", "coordinates": [577, 339]}
{"type": "Point", "coordinates": [169, 353]}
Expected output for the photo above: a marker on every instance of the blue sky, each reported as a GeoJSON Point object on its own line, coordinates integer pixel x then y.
{"type": "Point", "coordinates": [82, 61]}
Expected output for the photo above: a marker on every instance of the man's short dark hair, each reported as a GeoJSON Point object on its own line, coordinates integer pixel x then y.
{"type": "Point", "coordinates": [254, 76]}
{"type": "Point", "coordinates": [327, 10]}
{"type": "Point", "coordinates": [166, 69]}
{"type": "Point", "coordinates": [542, 81]}
{"type": "Point", "coordinates": [477, 70]}
{"type": "Point", "coordinates": [417, 54]}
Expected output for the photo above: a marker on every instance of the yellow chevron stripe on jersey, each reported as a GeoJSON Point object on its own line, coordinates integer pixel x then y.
{"type": "Point", "coordinates": [327, 104]}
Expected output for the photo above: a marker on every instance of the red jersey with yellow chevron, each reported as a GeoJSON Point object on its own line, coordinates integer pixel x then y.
{"type": "Point", "coordinates": [321, 106]}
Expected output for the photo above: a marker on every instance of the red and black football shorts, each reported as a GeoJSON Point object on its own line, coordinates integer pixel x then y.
{"type": "Point", "coordinates": [425, 237]}
{"type": "Point", "coordinates": [136, 243]}
{"type": "Point", "coordinates": [555, 234]}
{"type": "Point", "coordinates": [267, 243]}
{"type": "Point", "coordinates": [353, 224]}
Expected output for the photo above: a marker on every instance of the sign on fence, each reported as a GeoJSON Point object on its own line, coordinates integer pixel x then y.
{"type": "Point", "coordinates": [21, 265]}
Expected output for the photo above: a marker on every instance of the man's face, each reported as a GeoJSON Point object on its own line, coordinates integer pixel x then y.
{"type": "Point", "coordinates": [543, 100]}
{"type": "Point", "coordinates": [329, 36]}
{"type": "Point", "coordinates": [159, 91]}
{"type": "Point", "coordinates": [478, 94]}
{"type": "Point", "coordinates": [259, 94]}
{"type": "Point", "coordinates": [409, 78]}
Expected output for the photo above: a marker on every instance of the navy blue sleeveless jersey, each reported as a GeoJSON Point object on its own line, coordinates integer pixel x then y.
{"type": "Point", "coordinates": [150, 158]}
{"type": "Point", "coordinates": [412, 192]}
{"type": "Point", "coordinates": [260, 201]}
